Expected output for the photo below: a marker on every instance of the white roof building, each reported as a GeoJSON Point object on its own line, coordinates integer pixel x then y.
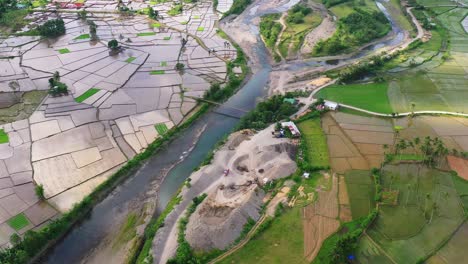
{"type": "Point", "coordinates": [292, 127]}
{"type": "Point", "coordinates": [331, 105]}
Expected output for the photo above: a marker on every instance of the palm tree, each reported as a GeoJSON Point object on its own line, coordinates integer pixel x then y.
{"type": "Point", "coordinates": [428, 197]}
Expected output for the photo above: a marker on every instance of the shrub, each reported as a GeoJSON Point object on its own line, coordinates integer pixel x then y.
{"type": "Point", "coordinates": [52, 28]}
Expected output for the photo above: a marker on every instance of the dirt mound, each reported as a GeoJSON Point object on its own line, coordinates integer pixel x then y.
{"type": "Point", "coordinates": [215, 225]}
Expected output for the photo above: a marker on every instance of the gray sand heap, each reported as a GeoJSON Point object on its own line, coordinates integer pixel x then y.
{"type": "Point", "coordinates": [251, 160]}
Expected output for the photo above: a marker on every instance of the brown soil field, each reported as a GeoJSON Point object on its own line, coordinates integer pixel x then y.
{"type": "Point", "coordinates": [462, 141]}
{"type": "Point", "coordinates": [459, 165]}
{"type": "Point", "coordinates": [340, 165]}
{"type": "Point", "coordinates": [374, 160]}
{"type": "Point", "coordinates": [358, 163]}
{"type": "Point", "coordinates": [435, 260]}
{"type": "Point", "coordinates": [345, 213]}
{"type": "Point", "coordinates": [371, 137]}
{"type": "Point", "coordinates": [446, 126]}
{"type": "Point", "coordinates": [338, 148]}
{"type": "Point", "coordinates": [370, 149]}
{"type": "Point", "coordinates": [418, 128]}
{"type": "Point", "coordinates": [343, 197]}
{"type": "Point", "coordinates": [361, 120]}
{"type": "Point", "coordinates": [320, 220]}
{"type": "Point", "coordinates": [361, 127]}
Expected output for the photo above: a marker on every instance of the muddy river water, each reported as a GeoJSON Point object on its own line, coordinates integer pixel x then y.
{"type": "Point", "coordinates": [164, 173]}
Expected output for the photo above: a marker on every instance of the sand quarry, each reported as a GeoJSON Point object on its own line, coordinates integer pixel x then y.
{"type": "Point", "coordinates": [251, 159]}
{"type": "Point", "coordinates": [232, 199]}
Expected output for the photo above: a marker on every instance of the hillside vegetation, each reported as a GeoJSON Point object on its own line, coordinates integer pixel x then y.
{"type": "Point", "coordinates": [354, 30]}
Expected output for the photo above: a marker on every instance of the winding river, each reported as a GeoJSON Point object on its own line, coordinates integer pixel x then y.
{"type": "Point", "coordinates": [164, 173]}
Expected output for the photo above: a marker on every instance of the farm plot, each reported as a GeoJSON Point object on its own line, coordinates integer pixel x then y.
{"type": "Point", "coordinates": [316, 142]}
{"type": "Point", "coordinates": [455, 250]}
{"type": "Point", "coordinates": [344, 155]}
{"type": "Point", "coordinates": [361, 192]}
{"type": "Point", "coordinates": [427, 213]}
{"type": "Point", "coordinates": [320, 220]}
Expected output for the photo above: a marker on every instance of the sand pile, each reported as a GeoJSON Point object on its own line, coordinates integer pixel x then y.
{"type": "Point", "coordinates": [251, 160]}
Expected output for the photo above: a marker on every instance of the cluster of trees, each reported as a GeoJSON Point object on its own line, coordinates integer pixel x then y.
{"type": "Point", "coordinates": [348, 243]}
{"type": "Point", "coordinates": [57, 88]}
{"type": "Point", "coordinates": [270, 111]}
{"type": "Point", "coordinates": [184, 252]}
{"type": "Point", "coordinates": [52, 28]}
{"type": "Point", "coordinates": [238, 6]}
{"type": "Point", "coordinates": [330, 3]}
{"type": "Point", "coordinates": [270, 29]}
{"type": "Point", "coordinates": [297, 13]}
{"type": "Point", "coordinates": [6, 5]}
{"type": "Point", "coordinates": [176, 10]}
{"type": "Point", "coordinates": [358, 28]}
{"type": "Point", "coordinates": [432, 150]}
{"type": "Point", "coordinates": [363, 69]}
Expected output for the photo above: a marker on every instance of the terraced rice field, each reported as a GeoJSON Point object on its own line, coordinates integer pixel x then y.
{"type": "Point", "coordinates": [361, 192]}
{"type": "Point", "coordinates": [427, 214]}
{"type": "Point", "coordinates": [316, 142]}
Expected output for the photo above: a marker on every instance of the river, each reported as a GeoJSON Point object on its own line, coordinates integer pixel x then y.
{"type": "Point", "coordinates": [187, 151]}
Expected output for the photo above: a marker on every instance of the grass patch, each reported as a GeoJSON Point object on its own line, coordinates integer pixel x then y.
{"type": "Point", "coordinates": [130, 59]}
{"type": "Point", "coordinates": [13, 20]}
{"type": "Point", "coordinates": [372, 97]}
{"type": "Point", "coordinates": [18, 222]}
{"type": "Point", "coordinates": [86, 95]}
{"type": "Point", "coordinates": [200, 29]}
{"type": "Point", "coordinates": [83, 36]}
{"type": "Point", "coordinates": [127, 231]}
{"type": "Point", "coordinates": [64, 51]}
{"type": "Point", "coordinates": [157, 25]}
{"type": "Point", "coordinates": [3, 137]}
{"type": "Point", "coordinates": [161, 128]}
{"type": "Point", "coordinates": [167, 38]}
{"type": "Point", "coordinates": [145, 34]}
{"type": "Point", "coordinates": [316, 142]}
{"type": "Point", "coordinates": [196, 17]}
{"type": "Point", "coordinates": [157, 72]}
{"type": "Point", "coordinates": [163, 64]}
{"type": "Point", "coordinates": [274, 245]}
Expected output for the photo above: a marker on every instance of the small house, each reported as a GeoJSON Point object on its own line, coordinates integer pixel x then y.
{"type": "Point", "coordinates": [292, 127]}
{"type": "Point", "coordinates": [331, 105]}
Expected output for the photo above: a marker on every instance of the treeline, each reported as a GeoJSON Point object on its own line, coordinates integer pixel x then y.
{"type": "Point", "coordinates": [6, 5]}
{"type": "Point", "coordinates": [297, 13]}
{"type": "Point", "coordinates": [270, 111]}
{"type": "Point", "coordinates": [270, 29]}
{"type": "Point", "coordinates": [330, 3]}
{"type": "Point", "coordinates": [358, 28]}
{"type": "Point", "coordinates": [238, 6]}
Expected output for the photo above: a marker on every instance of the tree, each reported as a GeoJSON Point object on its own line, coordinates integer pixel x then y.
{"type": "Point", "coordinates": [15, 239]}
{"type": "Point", "coordinates": [113, 44]}
{"type": "Point", "coordinates": [52, 28]}
{"type": "Point", "coordinates": [92, 30]}
{"type": "Point", "coordinates": [40, 192]}
{"type": "Point", "coordinates": [180, 66]}
{"type": "Point", "coordinates": [153, 14]}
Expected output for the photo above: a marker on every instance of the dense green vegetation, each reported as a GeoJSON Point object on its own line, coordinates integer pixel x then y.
{"type": "Point", "coordinates": [270, 111]}
{"type": "Point", "coordinates": [13, 19]}
{"type": "Point", "coordinates": [176, 10]}
{"type": "Point", "coordinates": [238, 6]}
{"type": "Point", "coordinates": [372, 97]}
{"type": "Point", "coordinates": [270, 29]}
{"type": "Point", "coordinates": [52, 28]}
{"type": "Point", "coordinates": [356, 29]}
{"type": "Point", "coordinates": [184, 253]}
{"type": "Point", "coordinates": [330, 3]}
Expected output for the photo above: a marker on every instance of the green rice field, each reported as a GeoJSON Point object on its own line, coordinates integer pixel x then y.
{"type": "Point", "coordinates": [18, 222]}
{"type": "Point", "coordinates": [161, 128]}
{"type": "Point", "coordinates": [64, 51]}
{"type": "Point", "coordinates": [145, 34]}
{"type": "Point", "coordinates": [361, 190]}
{"type": "Point", "coordinates": [316, 141]}
{"type": "Point", "coordinates": [3, 137]}
{"type": "Point", "coordinates": [86, 95]}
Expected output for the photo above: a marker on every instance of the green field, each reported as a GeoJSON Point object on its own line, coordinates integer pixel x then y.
{"type": "Point", "coordinates": [18, 222]}
{"type": "Point", "coordinates": [83, 36]}
{"type": "Point", "coordinates": [316, 141]}
{"type": "Point", "coordinates": [163, 63]}
{"type": "Point", "coordinates": [3, 137]}
{"type": "Point", "coordinates": [86, 95]}
{"type": "Point", "coordinates": [156, 25]}
{"type": "Point", "coordinates": [130, 59]}
{"type": "Point", "coordinates": [145, 34]}
{"type": "Point", "coordinates": [157, 72]}
{"type": "Point", "coordinates": [345, 9]}
{"type": "Point", "coordinates": [161, 128]}
{"type": "Point", "coordinates": [64, 51]}
{"type": "Point", "coordinates": [461, 186]}
{"type": "Point", "coordinates": [372, 97]}
{"type": "Point", "coordinates": [427, 214]}
{"type": "Point", "coordinates": [200, 29]}
{"type": "Point", "coordinates": [361, 190]}
{"type": "Point", "coordinates": [283, 240]}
